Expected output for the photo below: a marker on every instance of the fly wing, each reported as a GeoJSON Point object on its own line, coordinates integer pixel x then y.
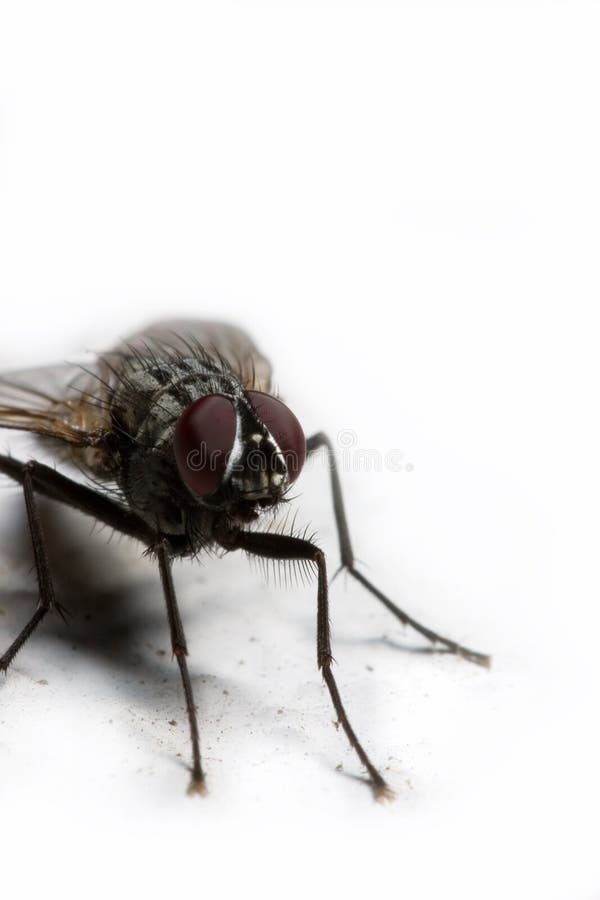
{"type": "Point", "coordinates": [71, 402]}
{"type": "Point", "coordinates": [46, 401]}
{"type": "Point", "coordinates": [218, 339]}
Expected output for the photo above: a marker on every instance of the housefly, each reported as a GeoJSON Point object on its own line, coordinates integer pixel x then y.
{"type": "Point", "coordinates": [184, 448]}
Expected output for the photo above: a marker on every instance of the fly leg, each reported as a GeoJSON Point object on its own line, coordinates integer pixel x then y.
{"type": "Point", "coordinates": [46, 599]}
{"type": "Point", "coordinates": [178, 643]}
{"type": "Point", "coordinates": [347, 555]}
{"type": "Point", "coordinates": [37, 478]}
{"type": "Point", "coordinates": [283, 547]}
{"type": "Point", "coordinates": [47, 481]}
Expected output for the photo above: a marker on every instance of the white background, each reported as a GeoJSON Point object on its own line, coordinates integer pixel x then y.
{"type": "Point", "coordinates": [401, 202]}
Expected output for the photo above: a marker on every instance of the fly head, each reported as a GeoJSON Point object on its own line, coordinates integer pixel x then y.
{"type": "Point", "coordinates": [239, 453]}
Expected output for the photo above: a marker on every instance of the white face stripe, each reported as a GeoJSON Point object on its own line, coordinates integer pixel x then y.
{"type": "Point", "coordinates": [237, 450]}
{"type": "Point", "coordinates": [238, 446]}
{"type": "Point", "coordinates": [271, 438]}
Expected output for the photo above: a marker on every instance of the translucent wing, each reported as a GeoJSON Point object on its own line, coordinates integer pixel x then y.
{"type": "Point", "coordinates": [45, 402]}
{"type": "Point", "coordinates": [218, 339]}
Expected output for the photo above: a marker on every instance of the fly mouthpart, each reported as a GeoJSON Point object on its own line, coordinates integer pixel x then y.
{"type": "Point", "coordinates": [259, 486]}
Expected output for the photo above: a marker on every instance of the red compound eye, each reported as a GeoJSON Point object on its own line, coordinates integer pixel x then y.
{"type": "Point", "coordinates": [204, 437]}
{"type": "Point", "coordinates": [285, 428]}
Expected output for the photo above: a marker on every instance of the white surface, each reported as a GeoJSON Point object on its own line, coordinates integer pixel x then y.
{"type": "Point", "coordinates": [401, 203]}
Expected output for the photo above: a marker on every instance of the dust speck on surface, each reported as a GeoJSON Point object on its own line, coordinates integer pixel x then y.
{"type": "Point", "coordinates": [42, 681]}
{"type": "Point", "coordinates": [173, 722]}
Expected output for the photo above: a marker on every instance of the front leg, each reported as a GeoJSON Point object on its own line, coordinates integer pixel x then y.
{"type": "Point", "coordinates": [321, 440]}
{"type": "Point", "coordinates": [46, 599]}
{"type": "Point", "coordinates": [52, 484]}
{"type": "Point", "coordinates": [36, 478]}
{"type": "Point", "coordinates": [283, 547]}
{"type": "Point", "coordinates": [180, 652]}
